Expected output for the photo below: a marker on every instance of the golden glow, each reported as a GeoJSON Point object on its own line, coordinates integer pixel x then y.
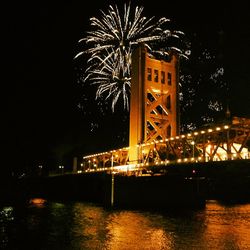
{"type": "Point", "coordinates": [209, 150]}
{"type": "Point", "coordinates": [139, 231]}
{"type": "Point", "coordinates": [215, 227]}
{"type": "Point", "coordinates": [38, 202]}
{"type": "Point", "coordinates": [123, 168]}
{"type": "Point", "coordinates": [227, 222]}
{"type": "Point", "coordinates": [221, 153]}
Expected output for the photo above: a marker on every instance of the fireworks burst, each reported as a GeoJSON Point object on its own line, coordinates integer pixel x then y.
{"type": "Point", "coordinates": [111, 43]}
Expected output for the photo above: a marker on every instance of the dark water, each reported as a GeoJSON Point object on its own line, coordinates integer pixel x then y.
{"type": "Point", "coordinates": [55, 225]}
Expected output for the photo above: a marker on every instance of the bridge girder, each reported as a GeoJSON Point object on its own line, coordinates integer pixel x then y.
{"type": "Point", "coordinates": [218, 143]}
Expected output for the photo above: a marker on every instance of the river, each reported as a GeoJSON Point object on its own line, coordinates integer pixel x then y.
{"type": "Point", "coordinates": [43, 224]}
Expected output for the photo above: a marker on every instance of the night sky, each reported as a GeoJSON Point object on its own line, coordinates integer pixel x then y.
{"type": "Point", "coordinates": [42, 123]}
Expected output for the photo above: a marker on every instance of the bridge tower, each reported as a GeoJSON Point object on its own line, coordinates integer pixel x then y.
{"type": "Point", "coordinates": [154, 105]}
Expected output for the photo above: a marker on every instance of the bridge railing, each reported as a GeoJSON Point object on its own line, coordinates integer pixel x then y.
{"type": "Point", "coordinates": [219, 143]}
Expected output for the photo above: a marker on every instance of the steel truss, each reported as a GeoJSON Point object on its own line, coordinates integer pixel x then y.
{"type": "Point", "coordinates": [229, 141]}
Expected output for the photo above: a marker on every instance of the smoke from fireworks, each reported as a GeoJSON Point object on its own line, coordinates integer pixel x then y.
{"type": "Point", "coordinates": [111, 42]}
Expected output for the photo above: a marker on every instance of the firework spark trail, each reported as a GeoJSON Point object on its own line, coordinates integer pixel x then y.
{"type": "Point", "coordinates": [110, 45]}
{"type": "Point", "coordinates": [113, 77]}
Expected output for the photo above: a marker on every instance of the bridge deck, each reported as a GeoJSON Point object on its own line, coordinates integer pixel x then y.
{"type": "Point", "coordinates": [224, 142]}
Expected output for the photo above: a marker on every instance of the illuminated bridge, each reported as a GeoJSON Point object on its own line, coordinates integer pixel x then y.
{"type": "Point", "coordinates": [220, 143]}
{"type": "Point", "coordinates": [154, 138]}
{"type": "Point", "coordinates": [160, 167]}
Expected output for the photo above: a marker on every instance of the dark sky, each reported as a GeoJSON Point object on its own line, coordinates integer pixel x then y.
{"type": "Point", "coordinates": [39, 88]}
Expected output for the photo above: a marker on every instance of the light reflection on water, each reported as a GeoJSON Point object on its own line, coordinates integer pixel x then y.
{"type": "Point", "coordinates": [227, 226]}
{"type": "Point", "coordinates": [54, 225]}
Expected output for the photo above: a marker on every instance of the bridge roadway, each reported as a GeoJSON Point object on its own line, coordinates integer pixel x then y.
{"type": "Point", "coordinates": [221, 142]}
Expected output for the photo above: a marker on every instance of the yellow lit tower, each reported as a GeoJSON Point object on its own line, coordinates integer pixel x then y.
{"type": "Point", "coordinates": [154, 105]}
